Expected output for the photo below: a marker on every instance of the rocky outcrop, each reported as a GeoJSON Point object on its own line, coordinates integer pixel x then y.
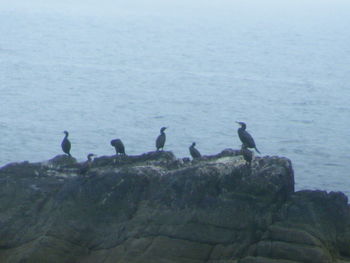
{"type": "Point", "coordinates": [157, 208]}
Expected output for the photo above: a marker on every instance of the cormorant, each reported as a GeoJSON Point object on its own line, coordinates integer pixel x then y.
{"type": "Point", "coordinates": [245, 137]}
{"type": "Point", "coordinates": [194, 152]}
{"type": "Point", "coordinates": [66, 144]}
{"type": "Point", "coordinates": [247, 154]}
{"type": "Point", "coordinates": [161, 139]}
{"type": "Point", "coordinates": [119, 146]}
{"type": "Point", "coordinates": [87, 165]}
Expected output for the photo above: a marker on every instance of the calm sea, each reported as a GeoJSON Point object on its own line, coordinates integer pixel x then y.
{"type": "Point", "coordinates": [105, 70]}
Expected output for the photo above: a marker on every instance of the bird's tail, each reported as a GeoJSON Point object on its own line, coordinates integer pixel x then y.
{"type": "Point", "coordinates": [256, 149]}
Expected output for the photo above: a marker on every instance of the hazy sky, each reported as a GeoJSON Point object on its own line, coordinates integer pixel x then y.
{"type": "Point", "coordinates": [110, 6]}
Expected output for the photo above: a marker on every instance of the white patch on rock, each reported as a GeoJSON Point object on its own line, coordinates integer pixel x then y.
{"type": "Point", "coordinates": [230, 160]}
{"type": "Point", "coordinates": [34, 187]}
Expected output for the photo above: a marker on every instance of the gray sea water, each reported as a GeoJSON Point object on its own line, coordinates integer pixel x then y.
{"type": "Point", "coordinates": [107, 69]}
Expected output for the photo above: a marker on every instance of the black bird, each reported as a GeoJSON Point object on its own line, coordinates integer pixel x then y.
{"type": "Point", "coordinates": [66, 144]}
{"type": "Point", "coordinates": [119, 146]}
{"type": "Point", "coordinates": [247, 154]}
{"type": "Point", "coordinates": [194, 152]}
{"type": "Point", "coordinates": [161, 139]}
{"type": "Point", "coordinates": [245, 137]}
{"type": "Point", "coordinates": [87, 165]}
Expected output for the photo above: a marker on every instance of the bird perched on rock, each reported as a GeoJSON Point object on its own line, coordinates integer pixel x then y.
{"type": "Point", "coordinates": [87, 165]}
{"type": "Point", "coordinates": [247, 154]}
{"type": "Point", "coordinates": [245, 137]}
{"type": "Point", "coordinates": [66, 144]}
{"type": "Point", "coordinates": [194, 152]}
{"type": "Point", "coordinates": [161, 139]}
{"type": "Point", "coordinates": [119, 146]}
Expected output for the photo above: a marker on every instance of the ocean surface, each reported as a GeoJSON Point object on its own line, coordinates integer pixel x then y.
{"type": "Point", "coordinates": [106, 69]}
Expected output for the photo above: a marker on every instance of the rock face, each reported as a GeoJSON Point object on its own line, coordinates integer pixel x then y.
{"type": "Point", "coordinates": [156, 208]}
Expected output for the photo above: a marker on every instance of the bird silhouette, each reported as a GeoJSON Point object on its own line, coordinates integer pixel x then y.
{"type": "Point", "coordinates": [245, 137]}
{"type": "Point", "coordinates": [66, 144]}
{"type": "Point", "coordinates": [119, 146]}
{"type": "Point", "coordinates": [161, 139]}
{"type": "Point", "coordinates": [194, 152]}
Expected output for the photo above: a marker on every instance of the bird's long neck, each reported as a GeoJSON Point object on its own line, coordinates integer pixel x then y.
{"type": "Point", "coordinates": [243, 127]}
{"type": "Point", "coordinates": [66, 136]}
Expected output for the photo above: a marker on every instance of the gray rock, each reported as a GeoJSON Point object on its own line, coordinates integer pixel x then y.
{"type": "Point", "coordinates": [157, 208]}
